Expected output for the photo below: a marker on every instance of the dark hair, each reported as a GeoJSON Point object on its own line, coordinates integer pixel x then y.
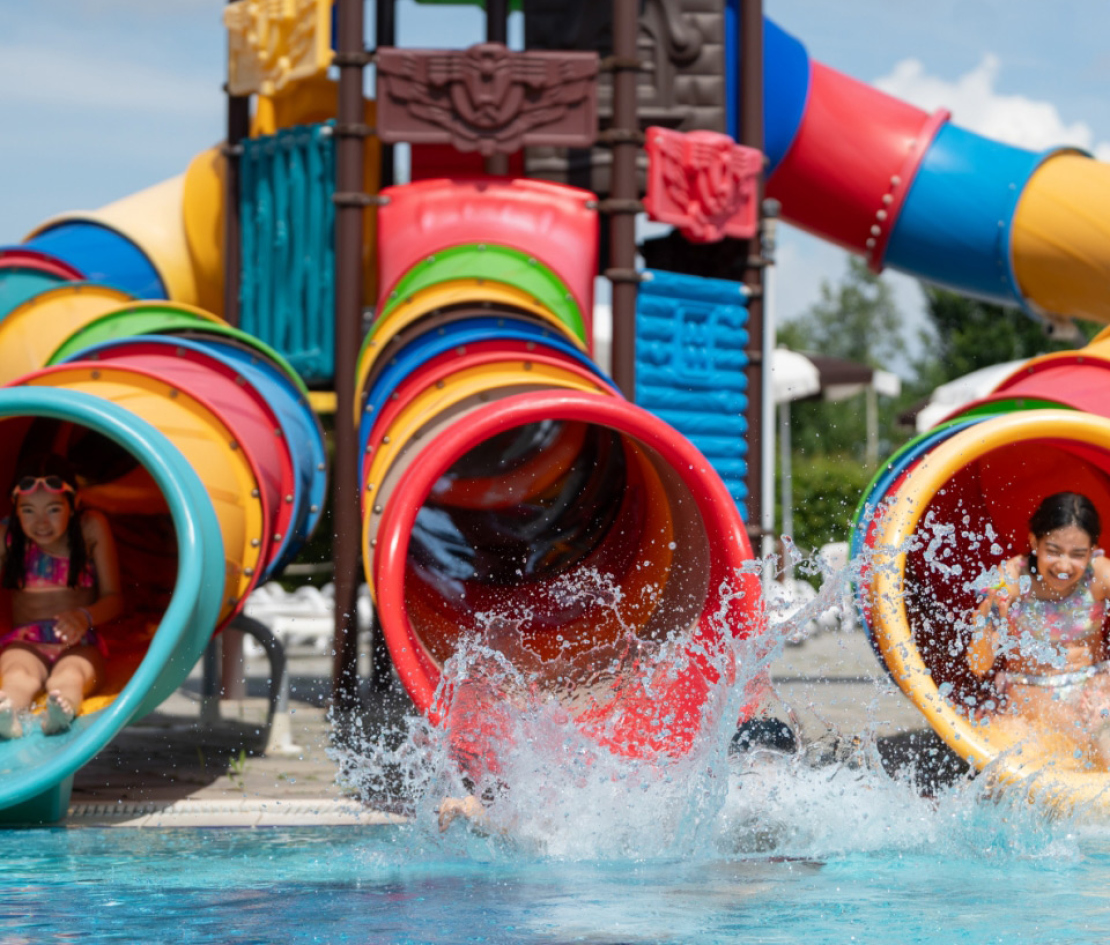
{"type": "Point", "coordinates": [13, 575]}
{"type": "Point", "coordinates": [1063, 509]}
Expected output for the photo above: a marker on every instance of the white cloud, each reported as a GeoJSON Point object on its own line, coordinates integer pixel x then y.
{"type": "Point", "coordinates": [977, 105]}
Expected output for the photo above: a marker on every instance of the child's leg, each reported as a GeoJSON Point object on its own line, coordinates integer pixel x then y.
{"type": "Point", "coordinates": [22, 674]}
{"type": "Point", "coordinates": [73, 677]}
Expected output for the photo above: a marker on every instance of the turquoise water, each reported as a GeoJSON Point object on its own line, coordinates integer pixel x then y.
{"type": "Point", "coordinates": [386, 885]}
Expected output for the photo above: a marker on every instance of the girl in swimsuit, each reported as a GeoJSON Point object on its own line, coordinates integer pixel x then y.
{"type": "Point", "coordinates": [1041, 628]}
{"type": "Point", "coordinates": [59, 567]}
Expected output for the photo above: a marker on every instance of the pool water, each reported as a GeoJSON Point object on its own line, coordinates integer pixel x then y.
{"type": "Point", "coordinates": [821, 855]}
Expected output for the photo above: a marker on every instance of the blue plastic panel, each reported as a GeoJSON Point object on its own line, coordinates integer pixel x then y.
{"type": "Point", "coordinates": [785, 85]}
{"type": "Point", "coordinates": [101, 255]}
{"type": "Point", "coordinates": [691, 336]}
{"type": "Point", "coordinates": [954, 228]}
{"type": "Point", "coordinates": [287, 294]}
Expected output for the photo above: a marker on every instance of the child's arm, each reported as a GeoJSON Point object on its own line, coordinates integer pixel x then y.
{"type": "Point", "coordinates": [982, 651]}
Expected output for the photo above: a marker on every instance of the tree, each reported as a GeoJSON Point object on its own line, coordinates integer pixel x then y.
{"type": "Point", "coordinates": [857, 320]}
{"type": "Point", "coordinates": [968, 335]}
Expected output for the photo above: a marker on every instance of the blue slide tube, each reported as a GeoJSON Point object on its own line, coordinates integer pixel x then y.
{"type": "Point", "coordinates": [954, 228]}
{"type": "Point", "coordinates": [36, 771]}
{"type": "Point", "coordinates": [101, 254]}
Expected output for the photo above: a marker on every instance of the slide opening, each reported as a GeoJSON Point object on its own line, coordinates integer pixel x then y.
{"type": "Point", "coordinates": [114, 482]}
{"type": "Point", "coordinates": [559, 539]}
{"type": "Point", "coordinates": [974, 521]}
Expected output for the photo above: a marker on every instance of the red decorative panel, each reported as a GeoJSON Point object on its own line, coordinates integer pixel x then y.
{"type": "Point", "coordinates": [487, 98]}
{"type": "Point", "coordinates": [702, 182]}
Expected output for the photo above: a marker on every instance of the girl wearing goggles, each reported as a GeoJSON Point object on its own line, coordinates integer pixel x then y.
{"type": "Point", "coordinates": [59, 567]}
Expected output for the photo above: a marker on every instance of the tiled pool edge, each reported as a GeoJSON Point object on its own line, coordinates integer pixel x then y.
{"type": "Point", "coordinates": [258, 812]}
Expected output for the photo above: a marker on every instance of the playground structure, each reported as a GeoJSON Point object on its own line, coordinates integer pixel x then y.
{"type": "Point", "coordinates": [486, 436]}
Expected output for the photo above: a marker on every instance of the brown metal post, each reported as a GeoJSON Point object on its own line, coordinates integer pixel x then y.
{"type": "Point", "coordinates": [350, 205]}
{"type": "Point", "coordinates": [750, 44]}
{"type": "Point", "coordinates": [238, 128]}
{"type": "Point", "coordinates": [623, 194]}
{"type": "Point", "coordinates": [497, 31]}
{"type": "Point", "coordinates": [385, 34]}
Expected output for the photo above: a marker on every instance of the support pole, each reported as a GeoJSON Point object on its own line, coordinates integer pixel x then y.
{"type": "Point", "coordinates": [497, 31]}
{"type": "Point", "coordinates": [623, 193]}
{"type": "Point", "coordinates": [348, 337]}
{"type": "Point", "coordinates": [385, 34]}
{"type": "Point", "coordinates": [750, 44]}
{"type": "Point", "coordinates": [238, 129]}
{"type": "Point", "coordinates": [767, 422]}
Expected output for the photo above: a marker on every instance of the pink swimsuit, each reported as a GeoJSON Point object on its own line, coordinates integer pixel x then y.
{"type": "Point", "coordinates": [43, 571]}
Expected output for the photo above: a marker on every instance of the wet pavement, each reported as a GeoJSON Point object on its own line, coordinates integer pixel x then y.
{"type": "Point", "coordinates": [182, 766]}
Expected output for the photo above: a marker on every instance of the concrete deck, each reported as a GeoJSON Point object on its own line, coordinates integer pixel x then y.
{"type": "Point", "coordinates": [173, 769]}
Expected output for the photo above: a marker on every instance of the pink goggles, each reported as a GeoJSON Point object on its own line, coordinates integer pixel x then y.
{"type": "Point", "coordinates": [29, 484]}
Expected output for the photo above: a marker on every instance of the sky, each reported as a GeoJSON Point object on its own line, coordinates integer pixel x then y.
{"type": "Point", "coordinates": [104, 97]}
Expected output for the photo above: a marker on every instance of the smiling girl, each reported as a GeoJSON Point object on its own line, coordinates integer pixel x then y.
{"type": "Point", "coordinates": [60, 566]}
{"type": "Point", "coordinates": [1044, 624]}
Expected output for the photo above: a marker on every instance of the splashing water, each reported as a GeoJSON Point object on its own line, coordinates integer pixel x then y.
{"type": "Point", "coordinates": [511, 734]}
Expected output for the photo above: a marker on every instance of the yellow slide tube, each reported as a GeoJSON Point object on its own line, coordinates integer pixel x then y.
{"type": "Point", "coordinates": [1061, 238]}
{"type": "Point", "coordinates": [1049, 773]}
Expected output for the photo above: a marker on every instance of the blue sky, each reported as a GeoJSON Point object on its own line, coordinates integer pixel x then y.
{"type": "Point", "coordinates": [104, 97]}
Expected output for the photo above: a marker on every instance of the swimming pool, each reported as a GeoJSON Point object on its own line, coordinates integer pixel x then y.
{"type": "Point", "coordinates": [822, 855]}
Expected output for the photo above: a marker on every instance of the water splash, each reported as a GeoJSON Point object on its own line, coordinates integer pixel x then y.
{"type": "Point", "coordinates": [511, 734]}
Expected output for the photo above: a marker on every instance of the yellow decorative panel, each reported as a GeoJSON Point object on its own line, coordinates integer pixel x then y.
{"type": "Point", "coordinates": [274, 42]}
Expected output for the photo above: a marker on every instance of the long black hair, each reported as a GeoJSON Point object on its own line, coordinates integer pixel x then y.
{"type": "Point", "coordinates": [1060, 510]}
{"type": "Point", "coordinates": [13, 574]}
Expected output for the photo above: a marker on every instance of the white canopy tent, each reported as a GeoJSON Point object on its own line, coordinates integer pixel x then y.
{"type": "Point", "coordinates": [963, 390]}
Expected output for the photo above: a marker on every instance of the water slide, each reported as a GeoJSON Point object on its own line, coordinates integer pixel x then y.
{"type": "Point", "coordinates": [195, 439]}
{"type": "Point", "coordinates": [489, 435]}
{"type": "Point", "coordinates": [913, 191]}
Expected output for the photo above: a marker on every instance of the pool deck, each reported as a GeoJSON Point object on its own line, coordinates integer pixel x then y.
{"type": "Point", "coordinates": [175, 769]}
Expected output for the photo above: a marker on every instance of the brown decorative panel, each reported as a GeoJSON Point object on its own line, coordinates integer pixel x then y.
{"type": "Point", "coordinates": [486, 98]}
{"type": "Point", "coordinates": [702, 182]}
{"type": "Point", "coordinates": [681, 43]}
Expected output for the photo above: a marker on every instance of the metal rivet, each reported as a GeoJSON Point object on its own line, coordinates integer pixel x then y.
{"type": "Point", "coordinates": [876, 230]}
{"type": "Point", "coordinates": [255, 543]}
{"type": "Point", "coordinates": [277, 536]}
{"type": "Point", "coordinates": [314, 508]}
{"type": "Point", "coordinates": [288, 499]}
{"type": "Point", "coordinates": [440, 385]}
{"type": "Point", "coordinates": [254, 493]}
{"type": "Point", "coordinates": [320, 467]}
{"type": "Point", "coordinates": [528, 365]}
{"type": "Point", "coordinates": [96, 375]}
{"type": "Point", "coordinates": [248, 571]}
{"type": "Point", "coordinates": [385, 439]}
{"type": "Point", "coordinates": [373, 543]}
{"type": "Point", "coordinates": [377, 510]}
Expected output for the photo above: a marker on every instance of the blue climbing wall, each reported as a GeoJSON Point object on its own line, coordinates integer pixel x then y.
{"type": "Point", "coordinates": [287, 295]}
{"type": "Point", "coordinates": [691, 337]}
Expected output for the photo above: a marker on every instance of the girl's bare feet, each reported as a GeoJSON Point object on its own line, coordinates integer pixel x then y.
{"type": "Point", "coordinates": [59, 714]}
{"type": "Point", "coordinates": [10, 726]}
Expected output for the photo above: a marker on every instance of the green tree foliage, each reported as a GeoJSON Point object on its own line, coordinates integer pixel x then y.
{"type": "Point", "coordinates": [826, 491]}
{"type": "Point", "coordinates": [858, 320]}
{"type": "Point", "coordinates": [968, 335]}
